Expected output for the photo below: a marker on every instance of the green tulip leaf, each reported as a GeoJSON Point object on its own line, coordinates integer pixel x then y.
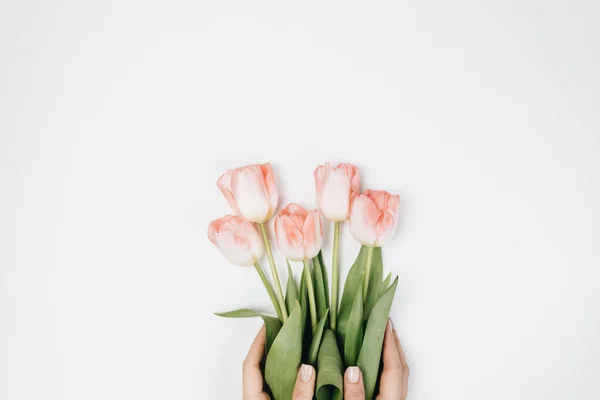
{"type": "Point", "coordinates": [306, 323]}
{"type": "Point", "coordinates": [284, 358]}
{"type": "Point", "coordinates": [272, 324]}
{"type": "Point", "coordinates": [330, 373]}
{"type": "Point", "coordinates": [321, 289]}
{"type": "Point", "coordinates": [385, 284]}
{"type": "Point", "coordinates": [325, 279]}
{"type": "Point", "coordinates": [291, 293]}
{"type": "Point", "coordinates": [374, 281]}
{"type": "Point", "coordinates": [303, 298]}
{"type": "Point", "coordinates": [353, 282]}
{"type": "Point", "coordinates": [370, 354]}
{"type": "Point", "coordinates": [355, 330]}
{"type": "Point", "coordinates": [315, 344]}
{"type": "Point", "coordinates": [241, 313]}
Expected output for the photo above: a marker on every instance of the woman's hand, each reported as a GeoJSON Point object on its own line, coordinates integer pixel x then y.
{"type": "Point", "coordinates": [252, 379]}
{"type": "Point", "coordinates": [394, 378]}
{"type": "Point", "coordinates": [393, 385]}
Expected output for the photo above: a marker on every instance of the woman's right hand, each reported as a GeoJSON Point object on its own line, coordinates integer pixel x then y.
{"type": "Point", "coordinates": [394, 378]}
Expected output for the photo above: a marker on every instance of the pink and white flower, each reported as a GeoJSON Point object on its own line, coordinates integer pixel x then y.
{"type": "Point", "coordinates": [238, 240]}
{"type": "Point", "coordinates": [250, 191]}
{"type": "Point", "coordinates": [374, 217]}
{"type": "Point", "coordinates": [336, 187]}
{"type": "Point", "coordinates": [299, 232]}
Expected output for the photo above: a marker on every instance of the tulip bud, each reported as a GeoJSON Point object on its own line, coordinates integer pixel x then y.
{"type": "Point", "coordinates": [238, 240]}
{"type": "Point", "coordinates": [335, 189]}
{"type": "Point", "coordinates": [299, 232]}
{"type": "Point", "coordinates": [250, 191]}
{"type": "Point", "coordinates": [374, 217]}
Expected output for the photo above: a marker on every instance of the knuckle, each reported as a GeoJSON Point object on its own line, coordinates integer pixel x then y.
{"type": "Point", "coordinates": [400, 369]}
{"type": "Point", "coordinates": [356, 392]}
{"type": "Point", "coordinates": [302, 393]}
{"type": "Point", "coordinates": [355, 396]}
{"type": "Point", "coordinates": [396, 370]}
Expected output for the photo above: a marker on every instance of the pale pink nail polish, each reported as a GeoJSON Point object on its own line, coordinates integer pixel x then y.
{"type": "Point", "coordinates": [305, 373]}
{"type": "Point", "coordinates": [353, 374]}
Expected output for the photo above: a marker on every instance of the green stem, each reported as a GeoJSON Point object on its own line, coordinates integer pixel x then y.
{"type": "Point", "coordinates": [311, 295]}
{"type": "Point", "coordinates": [263, 230]}
{"type": "Point", "coordinates": [367, 271]}
{"type": "Point", "coordinates": [272, 295]}
{"type": "Point", "coordinates": [335, 275]}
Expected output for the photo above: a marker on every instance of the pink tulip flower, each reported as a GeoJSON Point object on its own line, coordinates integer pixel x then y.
{"type": "Point", "coordinates": [299, 232]}
{"type": "Point", "coordinates": [250, 191]}
{"type": "Point", "coordinates": [374, 217]}
{"type": "Point", "coordinates": [336, 187]}
{"type": "Point", "coordinates": [238, 240]}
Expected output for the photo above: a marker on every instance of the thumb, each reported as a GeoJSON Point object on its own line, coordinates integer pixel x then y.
{"type": "Point", "coordinates": [252, 379]}
{"type": "Point", "coordinates": [305, 383]}
{"type": "Point", "coordinates": [354, 389]}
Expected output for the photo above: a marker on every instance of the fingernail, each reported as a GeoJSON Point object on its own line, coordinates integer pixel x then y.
{"type": "Point", "coordinates": [390, 325]}
{"type": "Point", "coordinates": [353, 374]}
{"type": "Point", "coordinates": [305, 373]}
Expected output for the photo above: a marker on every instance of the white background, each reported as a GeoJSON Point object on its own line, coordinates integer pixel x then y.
{"type": "Point", "coordinates": [117, 117]}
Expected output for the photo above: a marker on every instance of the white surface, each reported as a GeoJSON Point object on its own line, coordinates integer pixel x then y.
{"type": "Point", "coordinates": [117, 117]}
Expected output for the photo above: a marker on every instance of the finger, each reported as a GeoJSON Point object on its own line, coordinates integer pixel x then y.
{"type": "Point", "coordinates": [390, 386]}
{"type": "Point", "coordinates": [257, 349]}
{"type": "Point", "coordinates": [391, 355]}
{"type": "Point", "coordinates": [305, 383]}
{"type": "Point", "coordinates": [252, 379]}
{"type": "Point", "coordinates": [354, 388]}
{"type": "Point", "coordinates": [405, 369]}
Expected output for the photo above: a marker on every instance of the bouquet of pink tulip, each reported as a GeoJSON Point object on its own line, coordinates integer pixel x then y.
{"type": "Point", "coordinates": [310, 328]}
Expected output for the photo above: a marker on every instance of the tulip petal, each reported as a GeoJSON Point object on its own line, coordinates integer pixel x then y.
{"type": "Point", "coordinates": [253, 239]}
{"type": "Point", "coordinates": [320, 173]}
{"type": "Point", "coordinates": [292, 208]}
{"type": "Point", "coordinates": [296, 213]}
{"type": "Point", "coordinates": [335, 196]}
{"type": "Point", "coordinates": [224, 184]}
{"type": "Point", "coordinates": [212, 233]}
{"type": "Point", "coordinates": [289, 238]}
{"type": "Point", "coordinates": [313, 234]}
{"type": "Point", "coordinates": [233, 249]}
{"type": "Point", "coordinates": [269, 180]}
{"type": "Point", "coordinates": [363, 220]}
{"type": "Point", "coordinates": [388, 221]}
{"type": "Point", "coordinates": [251, 197]}
{"type": "Point", "coordinates": [379, 197]}
{"type": "Point", "coordinates": [393, 205]}
{"type": "Point", "coordinates": [237, 239]}
{"type": "Point", "coordinates": [352, 173]}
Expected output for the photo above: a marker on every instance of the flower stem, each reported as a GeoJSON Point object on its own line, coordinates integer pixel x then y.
{"type": "Point", "coordinates": [367, 271]}
{"type": "Point", "coordinates": [335, 275]}
{"type": "Point", "coordinates": [263, 230]}
{"type": "Point", "coordinates": [311, 295]}
{"type": "Point", "coordinates": [272, 295]}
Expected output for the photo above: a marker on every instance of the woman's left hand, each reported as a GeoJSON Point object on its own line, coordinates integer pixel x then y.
{"type": "Point", "coordinates": [252, 379]}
